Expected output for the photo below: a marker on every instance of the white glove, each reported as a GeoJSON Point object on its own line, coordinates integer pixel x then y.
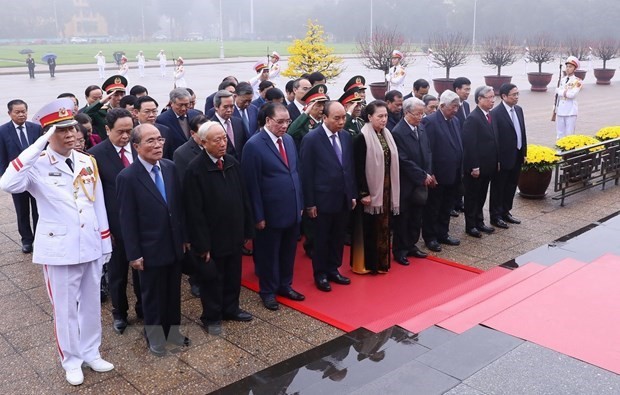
{"type": "Point", "coordinates": [106, 257]}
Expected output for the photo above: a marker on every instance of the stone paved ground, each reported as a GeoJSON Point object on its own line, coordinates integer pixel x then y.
{"type": "Point", "coordinates": [28, 361]}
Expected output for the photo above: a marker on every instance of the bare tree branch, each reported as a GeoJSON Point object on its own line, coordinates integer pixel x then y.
{"type": "Point", "coordinates": [377, 55]}
{"type": "Point", "coordinates": [542, 50]}
{"type": "Point", "coordinates": [499, 51]}
{"type": "Point", "coordinates": [607, 49]}
{"type": "Point", "coordinates": [450, 50]}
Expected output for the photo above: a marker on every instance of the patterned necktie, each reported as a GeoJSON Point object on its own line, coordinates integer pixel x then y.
{"type": "Point", "coordinates": [184, 125]}
{"type": "Point", "coordinates": [124, 159]}
{"type": "Point", "coordinates": [229, 132]}
{"type": "Point", "coordinates": [415, 133]}
{"type": "Point", "coordinates": [282, 152]}
{"type": "Point", "coordinates": [337, 149]}
{"type": "Point", "coordinates": [159, 182]}
{"type": "Point", "coordinates": [22, 137]}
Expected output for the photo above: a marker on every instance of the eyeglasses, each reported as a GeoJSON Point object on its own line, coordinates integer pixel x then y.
{"type": "Point", "coordinates": [149, 112]}
{"type": "Point", "coordinates": [152, 142]}
{"type": "Point", "coordinates": [282, 122]}
{"type": "Point", "coordinates": [181, 104]}
{"type": "Point", "coordinates": [489, 97]}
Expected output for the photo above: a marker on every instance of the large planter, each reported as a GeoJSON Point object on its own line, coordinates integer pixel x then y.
{"type": "Point", "coordinates": [496, 81]}
{"type": "Point", "coordinates": [443, 84]}
{"type": "Point", "coordinates": [581, 74]}
{"type": "Point", "coordinates": [533, 184]}
{"type": "Point", "coordinates": [604, 76]}
{"type": "Point", "coordinates": [378, 90]}
{"type": "Point", "coordinates": [539, 81]}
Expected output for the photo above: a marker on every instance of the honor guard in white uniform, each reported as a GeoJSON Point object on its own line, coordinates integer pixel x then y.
{"type": "Point", "coordinates": [162, 62]}
{"type": "Point", "coordinates": [141, 63]}
{"type": "Point", "coordinates": [124, 67]}
{"type": "Point", "coordinates": [72, 239]}
{"type": "Point", "coordinates": [262, 74]}
{"type": "Point", "coordinates": [100, 64]}
{"type": "Point", "coordinates": [396, 75]}
{"type": "Point", "coordinates": [566, 106]}
{"type": "Point", "coordinates": [179, 74]}
{"type": "Point", "coordinates": [274, 70]}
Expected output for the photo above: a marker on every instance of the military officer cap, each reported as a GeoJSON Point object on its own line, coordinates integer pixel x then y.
{"type": "Point", "coordinates": [275, 55]}
{"type": "Point", "coordinates": [397, 54]}
{"type": "Point", "coordinates": [114, 83]}
{"type": "Point", "coordinates": [356, 81]}
{"type": "Point", "coordinates": [572, 60]}
{"type": "Point", "coordinates": [316, 93]}
{"type": "Point", "coordinates": [59, 113]}
{"type": "Point", "coordinates": [260, 66]}
{"type": "Point", "coordinates": [351, 96]}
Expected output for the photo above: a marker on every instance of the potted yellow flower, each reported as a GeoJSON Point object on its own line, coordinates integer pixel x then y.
{"type": "Point", "coordinates": [536, 171]}
{"type": "Point", "coordinates": [569, 143]}
{"type": "Point", "coordinates": [608, 133]}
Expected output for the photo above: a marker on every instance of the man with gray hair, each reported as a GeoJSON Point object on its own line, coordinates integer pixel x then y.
{"type": "Point", "coordinates": [443, 130]}
{"type": "Point", "coordinates": [224, 104]}
{"type": "Point", "coordinates": [178, 117]}
{"type": "Point", "coordinates": [220, 223]}
{"type": "Point", "coordinates": [480, 160]}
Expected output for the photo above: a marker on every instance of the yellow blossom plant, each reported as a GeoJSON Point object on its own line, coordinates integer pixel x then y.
{"type": "Point", "coordinates": [569, 143]}
{"type": "Point", "coordinates": [608, 133]}
{"type": "Point", "coordinates": [540, 158]}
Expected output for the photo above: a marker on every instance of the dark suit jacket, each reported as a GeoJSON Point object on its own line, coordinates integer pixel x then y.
{"type": "Point", "coordinates": [110, 164]}
{"type": "Point", "coordinates": [274, 189]}
{"type": "Point", "coordinates": [184, 155]}
{"type": "Point", "coordinates": [293, 111]}
{"type": "Point", "coordinates": [325, 181]}
{"type": "Point", "coordinates": [509, 155]}
{"type": "Point", "coordinates": [479, 144]}
{"type": "Point", "coordinates": [415, 157]}
{"type": "Point", "coordinates": [393, 119]}
{"type": "Point", "coordinates": [446, 147]}
{"type": "Point", "coordinates": [168, 145]}
{"type": "Point", "coordinates": [460, 116]}
{"type": "Point", "coordinates": [169, 119]}
{"type": "Point", "coordinates": [219, 215]}
{"type": "Point", "coordinates": [252, 112]}
{"type": "Point", "coordinates": [152, 229]}
{"type": "Point", "coordinates": [240, 136]}
{"type": "Point", "coordinates": [10, 146]}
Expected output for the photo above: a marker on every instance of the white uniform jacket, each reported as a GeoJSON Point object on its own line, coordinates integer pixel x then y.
{"type": "Point", "coordinates": [73, 224]}
{"type": "Point", "coordinates": [396, 78]}
{"type": "Point", "coordinates": [567, 106]}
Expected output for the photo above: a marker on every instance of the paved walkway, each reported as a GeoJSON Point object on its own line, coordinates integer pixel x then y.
{"type": "Point", "coordinates": [28, 361]}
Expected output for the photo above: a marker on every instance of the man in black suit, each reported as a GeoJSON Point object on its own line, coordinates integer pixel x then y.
{"type": "Point", "coordinates": [442, 128]}
{"type": "Point", "coordinates": [480, 160]}
{"type": "Point", "coordinates": [227, 82]}
{"type": "Point", "coordinates": [301, 86]}
{"type": "Point", "coordinates": [394, 100]}
{"type": "Point", "coordinates": [245, 110]}
{"type": "Point", "coordinates": [329, 191]}
{"type": "Point", "coordinates": [178, 117]}
{"type": "Point", "coordinates": [420, 89]}
{"type": "Point", "coordinates": [509, 125]}
{"type": "Point", "coordinates": [30, 63]}
{"type": "Point", "coordinates": [224, 102]}
{"type": "Point", "coordinates": [462, 87]}
{"type": "Point", "coordinates": [145, 111]}
{"type": "Point", "coordinates": [150, 203]}
{"type": "Point", "coordinates": [113, 155]}
{"type": "Point", "coordinates": [15, 136]}
{"type": "Point", "coordinates": [415, 163]}
{"type": "Point", "coordinates": [219, 222]}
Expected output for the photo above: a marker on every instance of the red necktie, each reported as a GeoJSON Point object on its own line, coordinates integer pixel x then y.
{"type": "Point", "coordinates": [219, 164]}
{"type": "Point", "coordinates": [282, 152]}
{"type": "Point", "coordinates": [124, 158]}
{"type": "Point", "coordinates": [489, 117]}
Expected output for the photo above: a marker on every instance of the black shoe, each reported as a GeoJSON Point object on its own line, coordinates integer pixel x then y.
{"type": "Point", "coordinates": [474, 232]}
{"type": "Point", "coordinates": [433, 246]}
{"type": "Point", "coordinates": [416, 253]}
{"type": "Point", "coordinates": [402, 260]}
{"type": "Point", "coordinates": [449, 240]}
{"type": "Point", "coordinates": [157, 350]}
{"type": "Point", "coordinates": [195, 290]}
{"type": "Point", "coordinates": [213, 327]}
{"type": "Point", "coordinates": [120, 324]}
{"type": "Point", "coordinates": [292, 295]}
{"type": "Point", "coordinates": [454, 213]}
{"type": "Point", "coordinates": [240, 315]}
{"type": "Point", "coordinates": [246, 251]}
{"type": "Point", "coordinates": [323, 285]}
{"type": "Point", "coordinates": [27, 248]}
{"type": "Point", "coordinates": [271, 303]}
{"type": "Point", "coordinates": [485, 229]}
{"type": "Point", "coordinates": [339, 279]}
{"type": "Point", "coordinates": [182, 341]}
{"type": "Point", "coordinates": [499, 223]}
{"type": "Point", "coordinates": [509, 218]}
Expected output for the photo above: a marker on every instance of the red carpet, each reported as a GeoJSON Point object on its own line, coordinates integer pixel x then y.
{"type": "Point", "coordinates": [578, 315]}
{"type": "Point", "coordinates": [372, 301]}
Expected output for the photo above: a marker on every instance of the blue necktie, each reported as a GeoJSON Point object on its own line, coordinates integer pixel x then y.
{"type": "Point", "coordinates": [244, 118]}
{"type": "Point", "coordinates": [159, 182]}
{"type": "Point", "coordinates": [22, 137]}
{"type": "Point", "coordinates": [336, 148]}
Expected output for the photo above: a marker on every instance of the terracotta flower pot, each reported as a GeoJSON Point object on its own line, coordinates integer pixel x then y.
{"type": "Point", "coordinates": [378, 90]}
{"type": "Point", "coordinates": [581, 74]}
{"type": "Point", "coordinates": [496, 81]}
{"type": "Point", "coordinates": [604, 76]}
{"type": "Point", "coordinates": [539, 81]}
{"type": "Point", "coordinates": [533, 184]}
{"type": "Point", "coordinates": [442, 84]}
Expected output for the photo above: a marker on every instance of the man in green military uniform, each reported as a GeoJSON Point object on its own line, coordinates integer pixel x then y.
{"type": "Point", "coordinates": [354, 100]}
{"type": "Point", "coordinates": [313, 114]}
{"type": "Point", "coordinates": [114, 87]}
